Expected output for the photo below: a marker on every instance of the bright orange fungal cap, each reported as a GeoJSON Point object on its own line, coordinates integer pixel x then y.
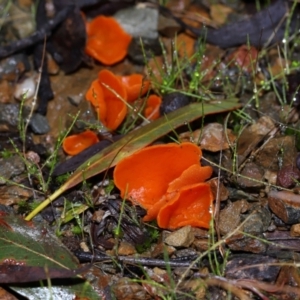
{"type": "Point", "coordinates": [144, 176]}
{"type": "Point", "coordinates": [107, 42]}
{"type": "Point", "coordinates": [135, 86]}
{"type": "Point", "coordinates": [96, 97]}
{"type": "Point", "coordinates": [189, 206]}
{"type": "Point", "coordinates": [152, 107]}
{"type": "Point", "coordinates": [74, 144]}
{"type": "Point", "coordinates": [116, 109]}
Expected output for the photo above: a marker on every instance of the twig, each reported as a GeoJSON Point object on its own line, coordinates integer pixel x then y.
{"type": "Point", "coordinates": [142, 261]}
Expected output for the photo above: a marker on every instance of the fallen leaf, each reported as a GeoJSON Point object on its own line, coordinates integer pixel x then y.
{"type": "Point", "coordinates": [136, 140]}
{"type": "Point", "coordinates": [29, 245]}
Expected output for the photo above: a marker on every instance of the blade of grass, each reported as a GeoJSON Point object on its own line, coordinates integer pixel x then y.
{"type": "Point", "coordinates": [134, 141]}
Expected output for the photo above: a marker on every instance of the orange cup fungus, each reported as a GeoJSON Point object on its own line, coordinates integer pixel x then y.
{"type": "Point", "coordinates": [188, 206]}
{"type": "Point", "coordinates": [76, 143]}
{"type": "Point", "coordinates": [109, 93]}
{"type": "Point", "coordinates": [96, 97]}
{"type": "Point", "coordinates": [151, 111]}
{"type": "Point", "coordinates": [107, 42]}
{"type": "Point", "coordinates": [115, 96]}
{"type": "Point", "coordinates": [108, 96]}
{"type": "Point", "coordinates": [135, 86]}
{"type": "Point", "coordinates": [167, 181]}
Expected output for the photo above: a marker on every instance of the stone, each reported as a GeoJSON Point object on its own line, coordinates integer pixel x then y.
{"type": "Point", "coordinates": [10, 167]}
{"type": "Point", "coordinates": [295, 230]}
{"type": "Point", "coordinates": [230, 218]}
{"type": "Point", "coordinates": [9, 114]}
{"type": "Point", "coordinates": [172, 102]}
{"type": "Point", "coordinates": [75, 99]}
{"type": "Point", "coordinates": [197, 286]}
{"type": "Point", "coordinates": [13, 194]}
{"type": "Point", "coordinates": [218, 189]}
{"type": "Point", "coordinates": [126, 289]}
{"type": "Point", "coordinates": [282, 147]}
{"type": "Point", "coordinates": [245, 243]}
{"type": "Point", "coordinates": [288, 176]}
{"type": "Point", "coordinates": [285, 205]}
{"type": "Point", "coordinates": [39, 124]}
{"type": "Point", "coordinates": [258, 220]}
{"type": "Point", "coordinates": [25, 88]}
{"type": "Point", "coordinates": [12, 67]}
{"type": "Point", "coordinates": [214, 139]}
{"type": "Point", "coordinates": [139, 21]}
{"type": "Point", "coordinates": [253, 135]}
{"type": "Point", "coordinates": [182, 237]}
{"type": "Point", "coordinates": [141, 49]}
{"type": "Point", "coordinates": [252, 267]}
{"type": "Point", "coordinates": [201, 244]}
{"type": "Point", "coordinates": [252, 177]}
{"type": "Point", "coordinates": [160, 249]}
{"type": "Point", "coordinates": [126, 249]}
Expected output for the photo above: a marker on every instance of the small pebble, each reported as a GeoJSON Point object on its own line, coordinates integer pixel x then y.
{"type": "Point", "coordinates": [9, 114]}
{"type": "Point", "coordinates": [12, 194]}
{"type": "Point", "coordinates": [230, 216]}
{"type": "Point", "coordinates": [12, 67]}
{"type": "Point", "coordinates": [143, 49]}
{"type": "Point", "coordinates": [75, 99]}
{"type": "Point", "coordinates": [126, 249]}
{"type": "Point", "coordinates": [288, 176]}
{"type": "Point", "coordinates": [295, 230]}
{"type": "Point", "coordinates": [39, 124]}
{"type": "Point", "coordinates": [139, 22]}
{"type": "Point", "coordinates": [25, 88]}
{"type": "Point", "coordinates": [182, 237]}
{"type": "Point", "coordinates": [33, 157]}
{"type": "Point", "coordinates": [285, 205]}
{"type": "Point", "coordinates": [172, 102]}
{"type": "Point", "coordinates": [252, 179]}
{"type": "Point", "coordinates": [84, 247]}
{"type": "Point", "coordinates": [10, 167]}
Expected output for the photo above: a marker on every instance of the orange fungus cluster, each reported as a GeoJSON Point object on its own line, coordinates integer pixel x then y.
{"type": "Point", "coordinates": [110, 94]}
{"type": "Point", "coordinates": [170, 184]}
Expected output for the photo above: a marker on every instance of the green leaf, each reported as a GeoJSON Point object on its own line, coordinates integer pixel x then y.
{"type": "Point", "coordinates": [136, 140]}
{"type": "Point", "coordinates": [27, 243]}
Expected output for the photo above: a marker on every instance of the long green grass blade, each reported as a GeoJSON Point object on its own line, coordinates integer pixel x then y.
{"type": "Point", "coordinates": [136, 140]}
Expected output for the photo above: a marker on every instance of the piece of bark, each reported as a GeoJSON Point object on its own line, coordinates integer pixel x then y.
{"type": "Point", "coordinates": [265, 27]}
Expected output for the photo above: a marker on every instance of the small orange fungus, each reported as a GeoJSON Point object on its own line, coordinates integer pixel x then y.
{"type": "Point", "coordinates": [96, 97]}
{"type": "Point", "coordinates": [135, 86]}
{"type": "Point", "coordinates": [152, 107]}
{"type": "Point", "coordinates": [107, 42]}
{"type": "Point", "coordinates": [189, 206]}
{"type": "Point", "coordinates": [192, 175]}
{"type": "Point", "coordinates": [159, 176]}
{"type": "Point", "coordinates": [115, 97]}
{"type": "Point", "coordinates": [76, 143]}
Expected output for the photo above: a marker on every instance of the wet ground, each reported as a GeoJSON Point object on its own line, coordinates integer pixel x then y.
{"type": "Point", "coordinates": [251, 248]}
